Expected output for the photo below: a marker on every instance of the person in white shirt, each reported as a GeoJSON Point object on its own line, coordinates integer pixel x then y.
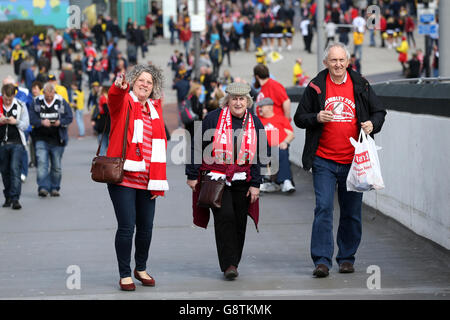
{"type": "Point", "coordinates": [359, 24]}
{"type": "Point", "coordinates": [330, 29]}
{"type": "Point", "coordinates": [307, 33]}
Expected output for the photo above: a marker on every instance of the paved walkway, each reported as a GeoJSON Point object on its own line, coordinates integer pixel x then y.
{"type": "Point", "coordinates": [39, 243]}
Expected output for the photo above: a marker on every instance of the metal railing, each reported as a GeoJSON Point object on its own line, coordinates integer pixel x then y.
{"type": "Point", "coordinates": [416, 80]}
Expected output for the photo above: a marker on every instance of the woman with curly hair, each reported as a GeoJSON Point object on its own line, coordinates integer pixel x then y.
{"type": "Point", "coordinates": [138, 100]}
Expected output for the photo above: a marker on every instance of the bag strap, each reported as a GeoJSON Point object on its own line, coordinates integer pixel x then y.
{"type": "Point", "coordinates": [124, 146]}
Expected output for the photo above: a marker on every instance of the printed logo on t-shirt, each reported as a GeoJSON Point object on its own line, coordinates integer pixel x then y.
{"type": "Point", "coordinates": [342, 108]}
{"type": "Point", "coordinates": [270, 127]}
{"type": "Point", "coordinates": [260, 97]}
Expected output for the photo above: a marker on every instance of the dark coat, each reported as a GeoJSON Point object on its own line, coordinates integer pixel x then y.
{"type": "Point", "coordinates": [368, 107]}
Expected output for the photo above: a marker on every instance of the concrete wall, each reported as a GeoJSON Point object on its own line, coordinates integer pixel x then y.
{"type": "Point", "coordinates": [415, 164]}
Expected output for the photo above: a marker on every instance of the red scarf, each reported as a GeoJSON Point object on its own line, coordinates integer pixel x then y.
{"type": "Point", "coordinates": [135, 159]}
{"type": "Point", "coordinates": [223, 140]}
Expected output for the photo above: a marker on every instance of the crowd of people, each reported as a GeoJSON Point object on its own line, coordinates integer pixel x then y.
{"type": "Point", "coordinates": [346, 22]}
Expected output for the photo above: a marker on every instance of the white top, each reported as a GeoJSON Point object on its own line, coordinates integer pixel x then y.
{"type": "Point", "coordinates": [330, 28]}
{"type": "Point", "coordinates": [304, 27]}
{"type": "Point", "coordinates": [360, 24]}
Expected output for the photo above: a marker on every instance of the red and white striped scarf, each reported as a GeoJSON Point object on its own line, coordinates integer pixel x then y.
{"type": "Point", "coordinates": [223, 140]}
{"type": "Point", "coordinates": [135, 159]}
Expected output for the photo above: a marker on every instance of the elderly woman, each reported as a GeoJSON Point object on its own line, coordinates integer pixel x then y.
{"type": "Point", "coordinates": [144, 168]}
{"type": "Point", "coordinates": [238, 162]}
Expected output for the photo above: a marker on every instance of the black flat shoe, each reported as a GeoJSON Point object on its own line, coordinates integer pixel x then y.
{"type": "Point", "coordinates": [7, 203]}
{"type": "Point", "coordinates": [16, 205]}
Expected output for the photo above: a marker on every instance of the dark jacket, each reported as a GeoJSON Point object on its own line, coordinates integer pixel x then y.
{"type": "Point", "coordinates": [65, 117]}
{"type": "Point", "coordinates": [368, 107]}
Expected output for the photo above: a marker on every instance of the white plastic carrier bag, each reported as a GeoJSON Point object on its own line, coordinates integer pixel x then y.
{"type": "Point", "coordinates": [365, 172]}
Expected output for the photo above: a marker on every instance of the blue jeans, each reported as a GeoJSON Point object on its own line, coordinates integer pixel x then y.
{"type": "Point", "coordinates": [48, 155]}
{"type": "Point", "coordinates": [80, 122]}
{"type": "Point", "coordinates": [10, 168]}
{"type": "Point", "coordinates": [132, 207]}
{"type": "Point", "coordinates": [105, 142]}
{"type": "Point", "coordinates": [326, 174]}
{"type": "Point", "coordinates": [284, 172]}
{"type": "Point", "coordinates": [358, 52]}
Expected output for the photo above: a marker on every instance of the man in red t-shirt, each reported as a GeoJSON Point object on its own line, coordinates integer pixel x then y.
{"type": "Point", "coordinates": [279, 135]}
{"type": "Point", "coordinates": [271, 89]}
{"type": "Point", "coordinates": [337, 103]}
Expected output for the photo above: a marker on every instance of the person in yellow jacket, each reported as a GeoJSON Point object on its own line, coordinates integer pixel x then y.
{"type": "Point", "coordinates": [402, 50]}
{"type": "Point", "coordinates": [297, 71]}
{"type": "Point", "coordinates": [77, 104]}
{"type": "Point", "coordinates": [260, 56]}
{"type": "Point", "coordinates": [59, 89]}
{"type": "Point", "coordinates": [358, 40]}
{"type": "Point", "coordinates": [298, 76]}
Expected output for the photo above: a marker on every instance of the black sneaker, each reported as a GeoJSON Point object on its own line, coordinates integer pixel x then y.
{"type": "Point", "coordinates": [54, 193]}
{"type": "Point", "coordinates": [16, 205]}
{"type": "Point", "coordinates": [43, 193]}
{"type": "Point", "coordinates": [7, 203]}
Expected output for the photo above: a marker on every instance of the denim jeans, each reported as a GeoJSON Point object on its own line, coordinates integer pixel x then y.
{"type": "Point", "coordinates": [133, 207]}
{"type": "Point", "coordinates": [284, 172]}
{"type": "Point", "coordinates": [10, 168]}
{"type": "Point", "coordinates": [105, 142]}
{"type": "Point", "coordinates": [358, 52]}
{"type": "Point", "coordinates": [326, 174]}
{"type": "Point", "coordinates": [48, 155]}
{"type": "Point", "coordinates": [80, 122]}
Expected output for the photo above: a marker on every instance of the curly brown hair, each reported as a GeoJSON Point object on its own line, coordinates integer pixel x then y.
{"type": "Point", "coordinates": [157, 77]}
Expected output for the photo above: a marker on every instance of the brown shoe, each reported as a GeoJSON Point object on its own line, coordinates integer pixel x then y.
{"type": "Point", "coordinates": [321, 271]}
{"type": "Point", "coordinates": [231, 273]}
{"type": "Point", "coordinates": [346, 267]}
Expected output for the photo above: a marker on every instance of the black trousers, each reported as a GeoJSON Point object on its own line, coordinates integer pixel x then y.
{"type": "Point", "coordinates": [230, 222]}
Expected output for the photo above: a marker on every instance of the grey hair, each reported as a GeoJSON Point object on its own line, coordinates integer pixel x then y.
{"type": "Point", "coordinates": [49, 87]}
{"type": "Point", "coordinates": [155, 72]}
{"type": "Point", "coordinates": [225, 100]}
{"type": "Point", "coordinates": [335, 45]}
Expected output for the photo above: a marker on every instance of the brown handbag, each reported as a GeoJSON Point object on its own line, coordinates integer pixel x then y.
{"type": "Point", "coordinates": [109, 169]}
{"type": "Point", "coordinates": [211, 192]}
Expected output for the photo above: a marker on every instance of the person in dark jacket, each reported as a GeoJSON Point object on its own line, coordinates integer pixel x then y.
{"type": "Point", "coordinates": [335, 106]}
{"type": "Point", "coordinates": [197, 107]}
{"type": "Point", "coordinates": [50, 116]}
{"type": "Point", "coordinates": [236, 162]}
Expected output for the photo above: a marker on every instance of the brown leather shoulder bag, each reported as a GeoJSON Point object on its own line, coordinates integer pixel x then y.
{"type": "Point", "coordinates": [110, 169]}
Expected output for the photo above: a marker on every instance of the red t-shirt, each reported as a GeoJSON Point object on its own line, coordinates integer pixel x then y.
{"type": "Point", "coordinates": [139, 180]}
{"type": "Point", "coordinates": [275, 126]}
{"type": "Point", "coordinates": [334, 143]}
{"type": "Point", "coordinates": [274, 90]}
